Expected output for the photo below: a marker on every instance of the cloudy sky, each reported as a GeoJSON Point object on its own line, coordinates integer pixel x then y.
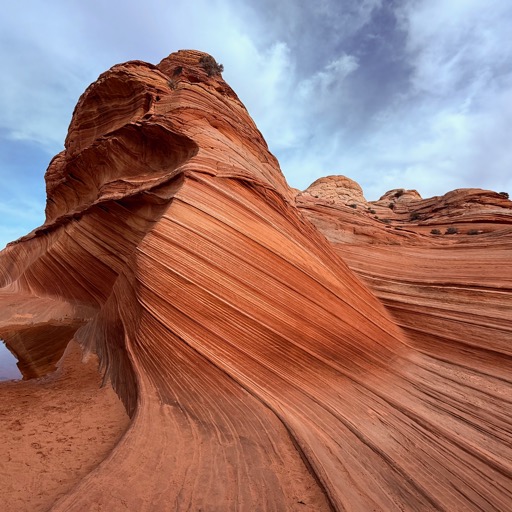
{"type": "Point", "coordinates": [392, 93]}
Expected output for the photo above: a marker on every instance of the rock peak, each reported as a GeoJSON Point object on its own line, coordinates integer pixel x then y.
{"type": "Point", "coordinates": [139, 126]}
{"type": "Point", "coordinates": [274, 352]}
{"type": "Point", "coordinates": [336, 188]}
{"type": "Point", "coordinates": [195, 67]}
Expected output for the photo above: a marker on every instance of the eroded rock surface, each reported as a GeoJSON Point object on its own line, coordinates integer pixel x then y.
{"type": "Point", "coordinates": [260, 371]}
{"type": "Point", "coordinates": [336, 189]}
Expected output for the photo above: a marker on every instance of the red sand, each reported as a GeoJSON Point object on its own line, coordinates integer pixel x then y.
{"type": "Point", "coordinates": [54, 431]}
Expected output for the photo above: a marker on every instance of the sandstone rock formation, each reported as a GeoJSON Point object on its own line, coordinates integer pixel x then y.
{"type": "Point", "coordinates": [260, 371]}
{"type": "Point", "coordinates": [336, 189]}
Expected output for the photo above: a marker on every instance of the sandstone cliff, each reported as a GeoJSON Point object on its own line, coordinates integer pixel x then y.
{"type": "Point", "coordinates": [275, 351]}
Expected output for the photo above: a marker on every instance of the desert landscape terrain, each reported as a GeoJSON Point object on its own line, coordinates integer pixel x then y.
{"type": "Point", "coordinates": [195, 334]}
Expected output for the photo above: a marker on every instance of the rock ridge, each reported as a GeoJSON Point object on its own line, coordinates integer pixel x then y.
{"type": "Point", "coordinates": [274, 350]}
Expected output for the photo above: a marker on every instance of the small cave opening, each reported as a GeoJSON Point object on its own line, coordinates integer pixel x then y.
{"type": "Point", "coordinates": [8, 364]}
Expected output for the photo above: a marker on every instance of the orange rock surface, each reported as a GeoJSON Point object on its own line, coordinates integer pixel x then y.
{"type": "Point", "coordinates": [274, 350]}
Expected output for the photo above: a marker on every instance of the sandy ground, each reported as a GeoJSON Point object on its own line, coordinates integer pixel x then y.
{"type": "Point", "coordinates": [53, 431]}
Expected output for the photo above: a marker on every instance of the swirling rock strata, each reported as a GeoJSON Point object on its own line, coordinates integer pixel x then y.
{"type": "Point", "coordinates": [259, 371]}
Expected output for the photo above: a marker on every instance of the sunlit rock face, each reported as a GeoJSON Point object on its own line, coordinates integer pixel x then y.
{"type": "Point", "coordinates": [260, 370]}
{"type": "Point", "coordinates": [336, 190]}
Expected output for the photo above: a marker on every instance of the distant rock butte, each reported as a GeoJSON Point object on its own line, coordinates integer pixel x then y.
{"type": "Point", "coordinates": [336, 189]}
{"type": "Point", "coordinates": [275, 349]}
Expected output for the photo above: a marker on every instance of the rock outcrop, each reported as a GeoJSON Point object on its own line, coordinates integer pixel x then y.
{"type": "Point", "coordinates": [336, 189]}
{"type": "Point", "coordinates": [260, 371]}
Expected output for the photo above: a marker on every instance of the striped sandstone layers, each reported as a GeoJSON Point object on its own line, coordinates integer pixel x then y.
{"type": "Point", "coordinates": [259, 371]}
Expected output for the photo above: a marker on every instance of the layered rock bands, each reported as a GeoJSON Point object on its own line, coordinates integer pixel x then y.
{"type": "Point", "coordinates": [274, 351]}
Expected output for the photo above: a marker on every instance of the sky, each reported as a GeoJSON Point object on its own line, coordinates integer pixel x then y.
{"type": "Point", "coordinates": [8, 368]}
{"type": "Point", "coordinates": [412, 94]}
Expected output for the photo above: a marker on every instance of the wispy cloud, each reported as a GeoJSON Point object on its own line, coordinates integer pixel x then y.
{"type": "Point", "coordinates": [426, 107]}
{"type": "Point", "coordinates": [405, 93]}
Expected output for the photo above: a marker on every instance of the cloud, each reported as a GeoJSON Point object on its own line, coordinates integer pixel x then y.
{"type": "Point", "coordinates": [457, 47]}
{"type": "Point", "coordinates": [327, 79]}
{"type": "Point", "coordinates": [52, 51]}
{"type": "Point", "coordinates": [426, 107]}
{"type": "Point", "coordinates": [450, 125]}
{"type": "Point", "coordinates": [402, 93]}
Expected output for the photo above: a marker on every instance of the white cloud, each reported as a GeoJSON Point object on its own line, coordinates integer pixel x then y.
{"type": "Point", "coordinates": [457, 46]}
{"type": "Point", "coordinates": [450, 127]}
{"type": "Point", "coordinates": [434, 115]}
{"type": "Point", "coordinates": [449, 130]}
{"type": "Point", "coordinates": [331, 76]}
{"type": "Point", "coordinates": [263, 79]}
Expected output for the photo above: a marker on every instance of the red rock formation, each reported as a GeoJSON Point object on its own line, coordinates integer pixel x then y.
{"type": "Point", "coordinates": [259, 371]}
{"type": "Point", "coordinates": [336, 189]}
{"type": "Point", "coordinates": [451, 293]}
